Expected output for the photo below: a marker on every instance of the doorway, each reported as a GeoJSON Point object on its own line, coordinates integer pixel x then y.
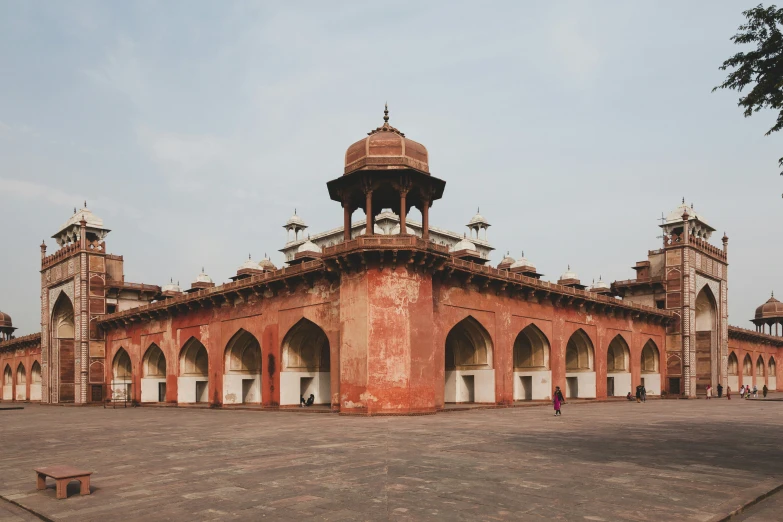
{"type": "Point", "coordinates": [572, 387]}
{"type": "Point", "coordinates": [674, 385]}
{"type": "Point", "coordinates": [527, 388]}
{"type": "Point", "coordinates": [201, 391]}
{"type": "Point", "coordinates": [161, 392]}
{"type": "Point", "coordinates": [610, 386]}
{"type": "Point", "coordinates": [469, 392]}
{"type": "Point", "coordinates": [247, 390]}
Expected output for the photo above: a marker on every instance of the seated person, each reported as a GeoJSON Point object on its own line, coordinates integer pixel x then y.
{"type": "Point", "coordinates": [629, 396]}
{"type": "Point", "coordinates": [310, 400]}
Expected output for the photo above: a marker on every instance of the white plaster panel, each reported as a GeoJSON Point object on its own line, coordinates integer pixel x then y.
{"type": "Point", "coordinates": [149, 388]}
{"type": "Point", "coordinates": [186, 390]}
{"type": "Point", "coordinates": [585, 385]}
{"type": "Point", "coordinates": [233, 388]}
{"type": "Point", "coordinates": [483, 385]}
{"type": "Point", "coordinates": [652, 383]}
{"type": "Point", "coordinates": [773, 383]}
{"type": "Point", "coordinates": [622, 383]}
{"type": "Point", "coordinates": [35, 392]}
{"type": "Point", "coordinates": [542, 385]}
{"type": "Point", "coordinates": [291, 387]}
{"type": "Point", "coordinates": [21, 392]}
{"type": "Point", "coordinates": [733, 383]}
{"type": "Point", "coordinates": [8, 392]}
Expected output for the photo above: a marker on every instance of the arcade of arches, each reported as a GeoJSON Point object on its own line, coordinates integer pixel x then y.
{"type": "Point", "coordinates": [385, 316]}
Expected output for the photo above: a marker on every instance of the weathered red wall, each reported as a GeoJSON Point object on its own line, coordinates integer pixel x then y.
{"type": "Point", "coordinates": [741, 347]}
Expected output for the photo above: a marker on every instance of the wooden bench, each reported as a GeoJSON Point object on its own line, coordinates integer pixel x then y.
{"type": "Point", "coordinates": [63, 475]}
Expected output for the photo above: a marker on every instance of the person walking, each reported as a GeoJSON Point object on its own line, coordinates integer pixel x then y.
{"type": "Point", "coordinates": [709, 392]}
{"type": "Point", "coordinates": [644, 393]}
{"type": "Point", "coordinates": [639, 393]}
{"type": "Point", "coordinates": [728, 393]}
{"type": "Point", "coordinates": [755, 392]}
{"type": "Point", "coordinates": [720, 390]}
{"type": "Point", "coordinates": [557, 401]}
{"type": "Point", "coordinates": [742, 391]}
{"type": "Point", "coordinates": [764, 391]}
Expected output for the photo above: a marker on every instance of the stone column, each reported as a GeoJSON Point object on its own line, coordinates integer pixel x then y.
{"type": "Point", "coordinates": [403, 210]}
{"type": "Point", "coordinates": [688, 354]}
{"type": "Point", "coordinates": [347, 220]}
{"type": "Point", "coordinates": [368, 211]}
{"type": "Point", "coordinates": [82, 366]}
{"type": "Point", "coordinates": [425, 220]}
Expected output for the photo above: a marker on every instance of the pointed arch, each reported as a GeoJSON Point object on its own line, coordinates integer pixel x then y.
{"type": "Point", "coordinates": [8, 378]}
{"type": "Point", "coordinates": [650, 360]}
{"type": "Point", "coordinates": [771, 366]}
{"type": "Point", "coordinates": [760, 366]}
{"type": "Point", "coordinates": [193, 359]}
{"type": "Point", "coordinates": [62, 318]}
{"type": "Point", "coordinates": [306, 348]}
{"type": "Point", "coordinates": [747, 366]}
{"type": "Point", "coordinates": [706, 327]}
{"type": "Point", "coordinates": [35, 373]}
{"type": "Point", "coordinates": [468, 346]}
{"type": "Point", "coordinates": [580, 354]}
{"type": "Point", "coordinates": [153, 362]}
{"type": "Point", "coordinates": [21, 374]}
{"type": "Point", "coordinates": [531, 349]}
{"type": "Point", "coordinates": [618, 355]}
{"type": "Point", "coordinates": [243, 353]}
{"type": "Point", "coordinates": [121, 366]}
{"type": "Point", "coordinates": [733, 364]}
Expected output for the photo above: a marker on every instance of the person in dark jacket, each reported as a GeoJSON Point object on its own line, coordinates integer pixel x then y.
{"type": "Point", "coordinates": [720, 390]}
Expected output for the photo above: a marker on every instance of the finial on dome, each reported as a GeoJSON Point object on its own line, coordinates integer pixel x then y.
{"type": "Point", "coordinates": [683, 200]}
{"type": "Point", "coordinates": [523, 253]}
{"type": "Point", "coordinates": [171, 279]}
{"type": "Point", "coordinates": [249, 257]}
{"type": "Point", "coordinates": [74, 210]}
{"type": "Point", "coordinates": [85, 203]}
{"type": "Point", "coordinates": [386, 112]}
{"type": "Point", "coordinates": [569, 267]}
{"type": "Point", "coordinates": [691, 205]}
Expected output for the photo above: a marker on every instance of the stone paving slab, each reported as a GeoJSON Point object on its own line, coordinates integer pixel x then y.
{"type": "Point", "coordinates": [663, 460]}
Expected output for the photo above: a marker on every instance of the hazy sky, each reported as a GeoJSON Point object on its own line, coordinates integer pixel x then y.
{"type": "Point", "coordinates": [195, 128]}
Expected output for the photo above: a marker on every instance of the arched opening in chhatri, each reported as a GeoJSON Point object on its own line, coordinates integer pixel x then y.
{"type": "Point", "coordinates": [706, 339]}
{"type": "Point", "coordinates": [618, 367]}
{"type": "Point", "coordinates": [242, 369]}
{"type": "Point", "coordinates": [532, 375]}
{"type": "Point", "coordinates": [35, 381]}
{"type": "Point", "coordinates": [122, 376]}
{"type": "Point", "coordinates": [469, 376]}
{"type": "Point", "coordinates": [306, 365]}
{"type": "Point", "coordinates": [580, 366]}
{"type": "Point", "coordinates": [651, 368]}
{"type": "Point", "coordinates": [153, 375]}
{"type": "Point", "coordinates": [21, 383]}
{"type": "Point", "coordinates": [193, 379]}
{"type": "Point", "coordinates": [62, 342]}
{"type": "Point", "coordinates": [8, 383]}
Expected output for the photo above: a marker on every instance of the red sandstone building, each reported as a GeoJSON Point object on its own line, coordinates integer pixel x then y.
{"type": "Point", "coordinates": [385, 316]}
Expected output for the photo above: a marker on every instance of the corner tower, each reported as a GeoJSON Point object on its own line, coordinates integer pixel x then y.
{"type": "Point", "coordinates": [386, 303]}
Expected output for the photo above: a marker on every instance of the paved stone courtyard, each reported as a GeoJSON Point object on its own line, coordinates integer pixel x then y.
{"type": "Point", "coordinates": [663, 460]}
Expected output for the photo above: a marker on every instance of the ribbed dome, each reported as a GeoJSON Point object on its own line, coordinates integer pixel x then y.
{"type": "Point", "coordinates": [600, 285]}
{"type": "Point", "coordinates": [249, 264]}
{"type": "Point", "coordinates": [478, 219]}
{"type": "Point", "coordinates": [266, 264]}
{"type": "Point", "coordinates": [5, 321]}
{"type": "Point", "coordinates": [569, 275]}
{"type": "Point", "coordinates": [295, 220]}
{"type": "Point", "coordinates": [386, 148]}
{"type": "Point", "coordinates": [771, 309]}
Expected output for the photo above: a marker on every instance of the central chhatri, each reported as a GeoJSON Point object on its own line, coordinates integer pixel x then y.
{"type": "Point", "coordinates": [386, 148]}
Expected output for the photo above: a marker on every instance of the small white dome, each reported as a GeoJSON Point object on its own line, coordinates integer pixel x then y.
{"type": "Point", "coordinates": [478, 219]}
{"type": "Point", "coordinates": [569, 274]}
{"type": "Point", "coordinates": [308, 246]}
{"type": "Point", "coordinates": [600, 285]}
{"type": "Point", "coordinates": [171, 287]}
{"type": "Point", "coordinates": [202, 277]}
{"type": "Point", "coordinates": [463, 245]}
{"type": "Point", "coordinates": [523, 262]}
{"type": "Point", "coordinates": [249, 264]}
{"type": "Point", "coordinates": [295, 220]}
